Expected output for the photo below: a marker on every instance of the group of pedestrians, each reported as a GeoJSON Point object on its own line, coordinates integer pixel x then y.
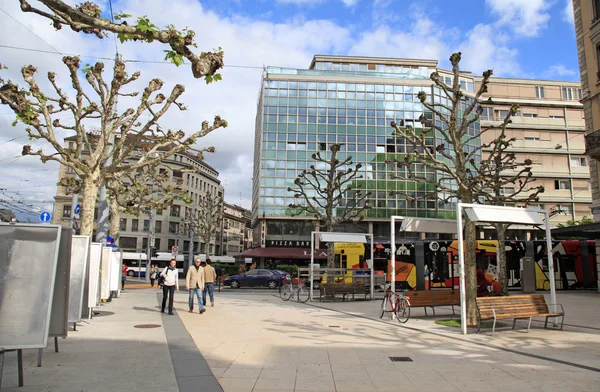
{"type": "Point", "coordinates": [199, 281]}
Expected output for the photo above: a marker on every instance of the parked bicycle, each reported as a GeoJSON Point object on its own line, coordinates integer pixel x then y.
{"type": "Point", "coordinates": [300, 291]}
{"type": "Point", "coordinates": [397, 304]}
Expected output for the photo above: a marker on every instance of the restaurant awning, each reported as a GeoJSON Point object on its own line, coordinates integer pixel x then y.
{"type": "Point", "coordinates": [283, 253]}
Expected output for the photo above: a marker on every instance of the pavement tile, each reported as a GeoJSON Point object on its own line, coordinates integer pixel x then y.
{"type": "Point", "coordinates": [242, 372]}
{"type": "Point", "coordinates": [314, 384]}
{"type": "Point", "coordinates": [275, 384]}
{"type": "Point", "coordinates": [199, 384]}
{"type": "Point", "coordinates": [237, 384]}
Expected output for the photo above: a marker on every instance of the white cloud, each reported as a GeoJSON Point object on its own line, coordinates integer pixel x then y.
{"type": "Point", "coordinates": [524, 17]}
{"type": "Point", "coordinates": [350, 3]}
{"type": "Point", "coordinates": [559, 71]}
{"type": "Point", "coordinates": [567, 12]}
{"type": "Point", "coordinates": [483, 49]}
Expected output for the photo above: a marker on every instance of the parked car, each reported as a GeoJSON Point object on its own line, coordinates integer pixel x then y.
{"type": "Point", "coordinates": [256, 277]}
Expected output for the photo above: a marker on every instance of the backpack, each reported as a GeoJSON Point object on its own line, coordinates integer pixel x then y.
{"type": "Point", "coordinates": [160, 279]}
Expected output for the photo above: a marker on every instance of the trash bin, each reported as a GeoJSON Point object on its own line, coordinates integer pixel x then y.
{"type": "Point", "coordinates": [527, 275]}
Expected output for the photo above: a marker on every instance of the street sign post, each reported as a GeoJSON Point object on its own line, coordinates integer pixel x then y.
{"type": "Point", "coordinates": [77, 209]}
{"type": "Point", "coordinates": [45, 217]}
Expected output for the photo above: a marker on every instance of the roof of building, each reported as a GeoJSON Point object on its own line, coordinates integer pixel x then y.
{"type": "Point", "coordinates": [371, 60]}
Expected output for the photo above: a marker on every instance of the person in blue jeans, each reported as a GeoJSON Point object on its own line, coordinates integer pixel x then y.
{"type": "Point", "coordinates": [210, 275]}
{"type": "Point", "coordinates": [194, 283]}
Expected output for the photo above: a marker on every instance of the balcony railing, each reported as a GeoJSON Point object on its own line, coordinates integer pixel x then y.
{"type": "Point", "coordinates": [592, 144]}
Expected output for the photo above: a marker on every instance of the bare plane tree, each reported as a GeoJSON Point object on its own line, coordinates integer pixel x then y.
{"type": "Point", "coordinates": [119, 132]}
{"type": "Point", "coordinates": [501, 179]}
{"type": "Point", "coordinates": [328, 191]}
{"type": "Point", "coordinates": [205, 218]}
{"type": "Point", "coordinates": [453, 159]}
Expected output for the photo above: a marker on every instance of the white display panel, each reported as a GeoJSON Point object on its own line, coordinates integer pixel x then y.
{"type": "Point", "coordinates": [80, 247]}
{"type": "Point", "coordinates": [105, 273]}
{"type": "Point", "coordinates": [94, 275]}
{"type": "Point", "coordinates": [28, 260]}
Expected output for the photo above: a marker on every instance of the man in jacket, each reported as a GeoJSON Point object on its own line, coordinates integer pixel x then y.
{"type": "Point", "coordinates": [194, 283]}
{"type": "Point", "coordinates": [171, 282]}
{"type": "Point", "coordinates": [210, 275]}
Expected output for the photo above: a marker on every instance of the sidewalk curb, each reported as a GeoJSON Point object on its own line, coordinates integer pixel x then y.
{"type": "Point", "coordinates": [191, 369]}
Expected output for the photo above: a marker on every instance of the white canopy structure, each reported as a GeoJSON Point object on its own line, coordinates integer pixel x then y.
{"type": "Point", "coordinates": [423, 225]}
{"type": "Point", "coordinates": [339, 237]}
{"type": "Point", "coordinates": [483, 214]}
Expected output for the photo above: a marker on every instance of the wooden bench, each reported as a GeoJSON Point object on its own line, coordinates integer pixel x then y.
{"type": "Point", "coordinates": [515, 307]}
{"type": "Point", "coordinates": [432, 298]}
{"type": "Point", "coordinates": [342, 288]}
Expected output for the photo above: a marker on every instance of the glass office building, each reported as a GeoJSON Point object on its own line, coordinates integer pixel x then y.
{"type": "Point", "coordinates": [350, 101]}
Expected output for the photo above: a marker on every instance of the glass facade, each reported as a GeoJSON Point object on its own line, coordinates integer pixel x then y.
{"type": "Point", "coordinates": [307, 111]}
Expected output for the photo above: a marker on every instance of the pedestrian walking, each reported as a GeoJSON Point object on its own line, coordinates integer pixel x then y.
{"type": "Point", "coordinates": [210, 275]}
{"type": "Point", "coordinates": [194, 283]}
{"type": "Point", "coordinates": [171, 282]}
{"type": "Point", "coordinates": [153, 273]}
{"type": "Point", "coordinates": [124, 276]}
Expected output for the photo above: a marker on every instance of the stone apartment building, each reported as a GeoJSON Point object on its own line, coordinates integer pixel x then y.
{"type": "Point", "coordinates": [168, 224]}
{"type": "Point", "coordinates": [549, 129]}
{"type": "Point", "coordinates": [237, 234]}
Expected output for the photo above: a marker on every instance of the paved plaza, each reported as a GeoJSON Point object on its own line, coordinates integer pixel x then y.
{"type": "Point", "coordinates": [252, 341]}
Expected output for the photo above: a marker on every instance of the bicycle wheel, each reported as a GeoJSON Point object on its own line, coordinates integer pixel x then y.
{"type": "Point", "coordinates": [303, 294]}
{"type": "Point", "coordinates": [286, 292]}
{"type": "Point", "coordinates": [385, 306]}
{"type": "Point", "coordinates": [402, 310]}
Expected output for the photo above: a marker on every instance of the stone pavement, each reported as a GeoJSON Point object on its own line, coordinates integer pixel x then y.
{"type": "Point", "coordinates": [255, 342]}
{"type": "Point", "coordinates": [252, 341]}
{"type": "Point", "coordinates": [108, 354]}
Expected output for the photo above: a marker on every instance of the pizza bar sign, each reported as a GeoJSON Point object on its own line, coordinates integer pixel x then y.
{"type": "Point", "coordinates": [288, 244]}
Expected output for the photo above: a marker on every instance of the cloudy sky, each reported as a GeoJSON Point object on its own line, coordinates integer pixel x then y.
{"type": "Point", "coordinates": [524, 38]}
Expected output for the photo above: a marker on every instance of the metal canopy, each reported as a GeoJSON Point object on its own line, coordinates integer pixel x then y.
{"type": "Point", "coordinates": [339, 237]}
{"type": "Point", "coordinates": [490, 214]}
{"type": "Point", "coordinates": [429, 225]}
{"type": "Point", "coordinates": [343, 237]}
{"type": "Point", "coordinates": [497, 214]}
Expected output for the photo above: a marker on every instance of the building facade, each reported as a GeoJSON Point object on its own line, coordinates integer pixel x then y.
{"type": "Point", "coordinates": [352, 100]}
{"type": "Point", "coordinates": [236, 229]}
{"type": "Point", "coordinates": [587, 33]}
{"type": "Point", "coordinates": [549, 130]}
{"type": "Point", "coordinates": [169, 225]}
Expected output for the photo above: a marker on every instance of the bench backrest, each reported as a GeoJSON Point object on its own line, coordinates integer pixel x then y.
{"type": "Point", "coordinates": [446, 297]}
{"type": "Point", "coordinates": [511, 305]}
{"type": "Point", "coordinates": [434, 297]}
{"type": "Point", "coordinates": [421, 298]}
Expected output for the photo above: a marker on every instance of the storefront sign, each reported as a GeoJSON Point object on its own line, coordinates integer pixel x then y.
{"type": "Point", "coordinates": [287, 244]}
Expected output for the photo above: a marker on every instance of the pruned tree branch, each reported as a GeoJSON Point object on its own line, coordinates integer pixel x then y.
{"type": "Point", "coordinates": [87, 18]}
{"type": "Point", "coordinates": [119, 137]}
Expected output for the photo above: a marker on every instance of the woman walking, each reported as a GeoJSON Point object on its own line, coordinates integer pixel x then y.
{"type": "Point", "coordinates": [153, 273]}
{"type": "Point", "coordinates": [171, 283]}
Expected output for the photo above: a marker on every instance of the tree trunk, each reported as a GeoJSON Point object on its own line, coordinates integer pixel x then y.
{"type": "Point", "coordinates": [471, 271]}
{"type": "Point", "coordinates": [90, 195]}
{"type": "Point", "coordinates": [115, 219]}
{"type": "Point", "coordinates": [501, 258]}
{"type": "Point", "coordinates": [331, 255]}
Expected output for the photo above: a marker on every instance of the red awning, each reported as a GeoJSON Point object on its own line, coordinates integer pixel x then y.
{"type": "Point", "coordinates": [283, 253]}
